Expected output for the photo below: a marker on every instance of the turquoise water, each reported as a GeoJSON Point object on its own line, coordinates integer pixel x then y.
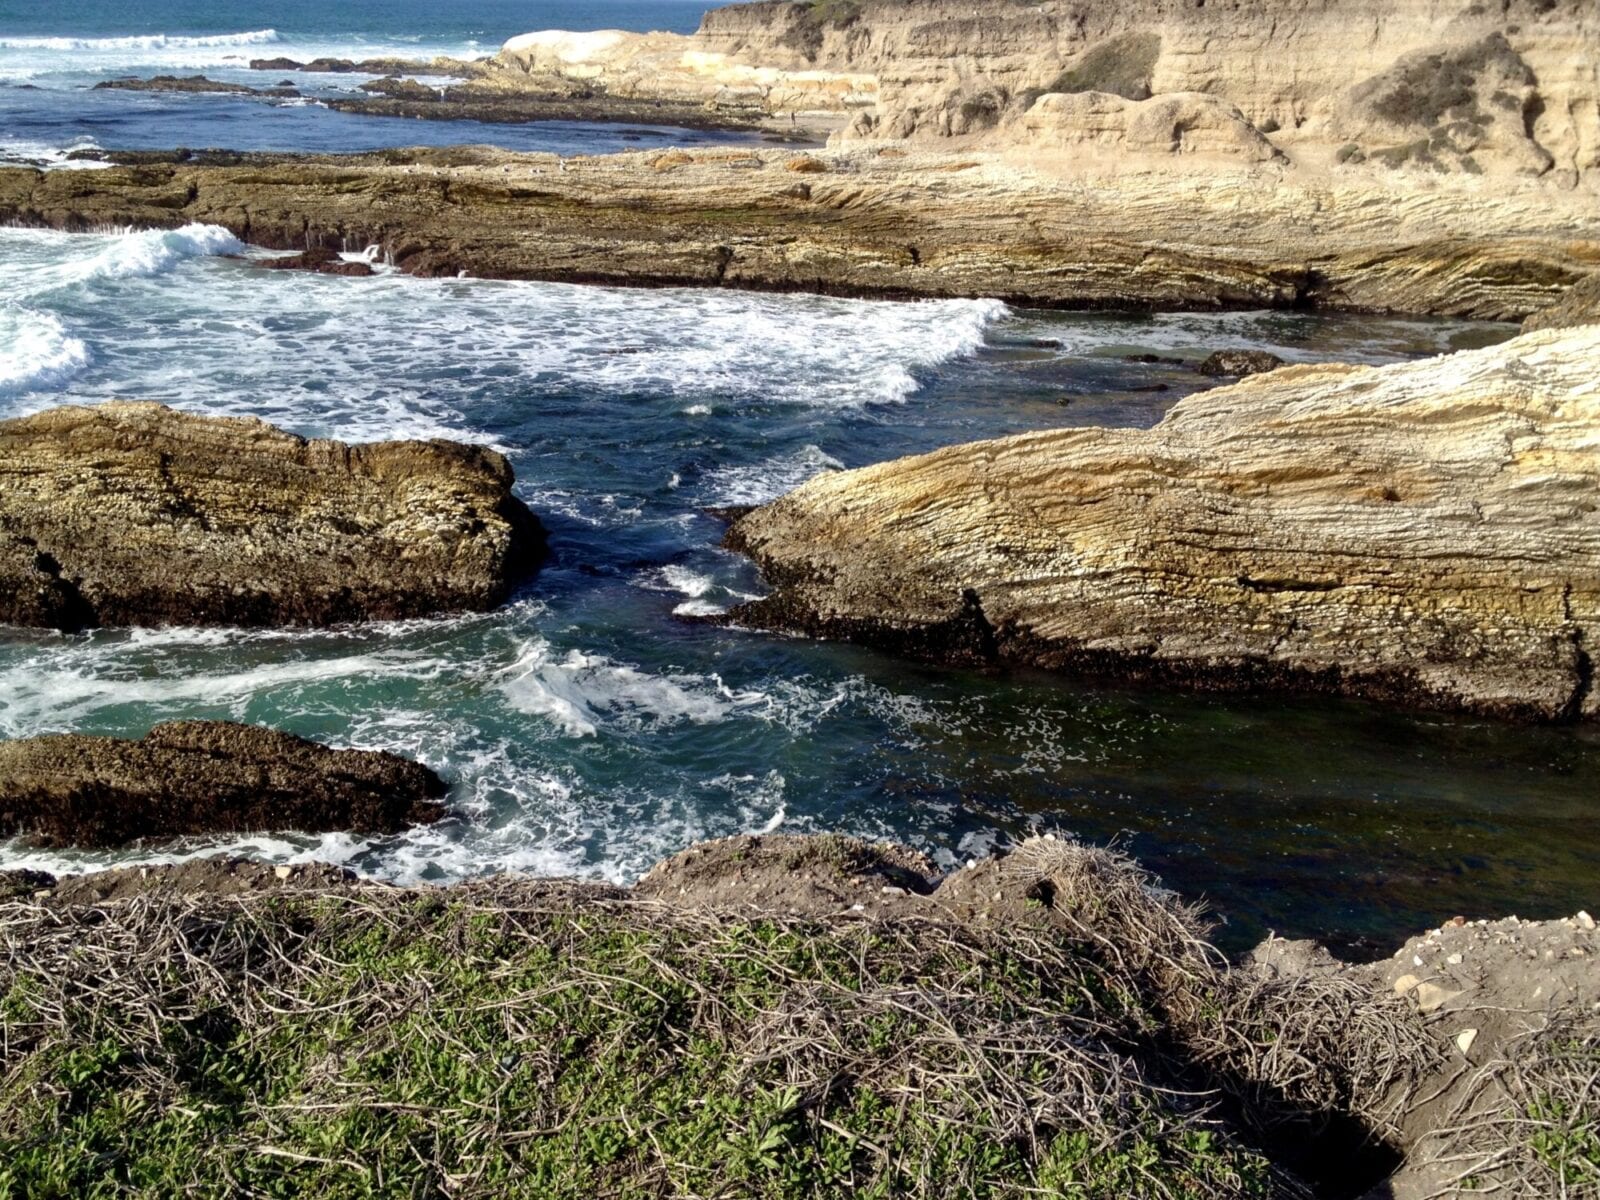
{"type": "Point", "coordinates": [588, 729]}
{"type": "Point", "coordinates": [52, 55]}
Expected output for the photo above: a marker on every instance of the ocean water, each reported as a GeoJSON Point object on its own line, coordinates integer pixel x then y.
{"type": "Point", "coordinates": [51, 55]}
{"type": "Point", "coordinates": [588, 729]}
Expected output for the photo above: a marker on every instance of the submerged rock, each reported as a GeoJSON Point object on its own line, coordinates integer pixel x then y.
{"type": "Point", "coordinates": [197, 84]}
{"type": "Point", "coordinates": [1239, 363]}
{"type": "Point", "coordinates": [135, 514]}
{"type": "Point", "coordinates": [201, 777]}
{"type": "Point", "coordinates": [400, 89]}
{"type": "Point", "coordinates": [320, 261]}
{"type": "Point", "coordinates": [1423, 533]}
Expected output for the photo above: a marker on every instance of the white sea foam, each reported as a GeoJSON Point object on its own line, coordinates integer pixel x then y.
{"type": "Point", "coordinates": [759, 482]}
{"type": "Point", "coordinates": [220, 343]}
{"type": "Point", "coordinates": [139, 42]}
{"type": "Point", "coordinates": [705, 595]}
{"type": "Point", "coordinates": [40, 58]}
{"type": "Point", "coordinates": [28, 152]}
{"type": "Point", "coordinates": [829, 351]}
{"type": "Point", "coordinates": [36, 351]}
{"type": "Point", "coordinates": [580, 693]}
{"type": "Point", "coordinates": [156, 251]}
{"type": "Point", "coordinates": [63, 60]}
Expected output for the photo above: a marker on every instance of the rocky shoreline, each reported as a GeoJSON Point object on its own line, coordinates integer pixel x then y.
{"type": "Point", "coordinates": [1418, 534]}
{"type": "Point", "coordinates": [819, 1016]}
{"type": "Point", "coordinates": [875, 222]}
{"type": "Point", "coordinates": [195, 778]}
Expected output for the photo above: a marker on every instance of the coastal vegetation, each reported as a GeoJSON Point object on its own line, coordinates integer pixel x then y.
{"type": "Point", "coordinates": [523, 1038]}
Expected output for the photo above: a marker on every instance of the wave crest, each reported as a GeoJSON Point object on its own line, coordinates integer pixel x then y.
{"type": "Point", "coordinates": [150, 41]}
{"type": "Point", "coordinates": [36, 351]}
{"type": "Point", "coordinates": [157, 251]}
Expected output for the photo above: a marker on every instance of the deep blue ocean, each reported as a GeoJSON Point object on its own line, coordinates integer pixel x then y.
{"type": "Point", "coordinates": [587, 728]}
{"type": "Point", "coordinates": [51, 55]}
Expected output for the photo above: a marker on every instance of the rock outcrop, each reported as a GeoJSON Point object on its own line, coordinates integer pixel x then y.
{"type": "Point", "coordinates": [135, 514]}
{"type": "Point", "coordinates": [1428, 86]}
{"type": "Point", "coordinates": [676, 68]}
{"type": "Point", "coordinates": [1580, 305]}
{"type": "Point", "coordinates": [1239, 363]}
{"type": "Point", "coordinates": [203, 777]}
{"type": "Point", "coordinates": [873, 221]}
{"type": "Point", "coordinates": [1426, 533]}
{"type": "Point", "coordinates": [1189, 123]}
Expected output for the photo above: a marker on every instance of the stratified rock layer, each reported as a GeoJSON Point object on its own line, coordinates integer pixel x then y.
{"type": "Point", "coordinates": [201, 777]}
{"type": "Point", "coordinates": [1425, 533]}
{"type": "Point", "coordinates": [135, 514]}
{"type": "Point", "coordinates": [1580, 305]}
{"type": "Point", "coordinates": [873, 221]}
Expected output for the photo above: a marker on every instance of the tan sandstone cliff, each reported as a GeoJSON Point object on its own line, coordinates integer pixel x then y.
{"type": "Point", "coordinates": [1427, 533]}
{"type": "Point", "coordinates": [1423, 86]}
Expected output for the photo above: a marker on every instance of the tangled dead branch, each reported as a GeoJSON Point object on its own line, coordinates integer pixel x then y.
{"type": "Point", "coordinates": [513, 1038]}
{"type": "Point", "coordinates": [1528, 1124]}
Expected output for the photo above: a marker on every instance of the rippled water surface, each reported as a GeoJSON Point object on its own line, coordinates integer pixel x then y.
{"type": "Point", "coordinates": [589, 729]}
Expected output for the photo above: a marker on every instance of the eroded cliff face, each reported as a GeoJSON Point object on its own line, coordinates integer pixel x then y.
{"type": "Point", "coordinates": [1423, 86]}
{"type": "Point", "coordinates": [678, 69]}
{"type": "Point", "coordinates": [1427, 533]}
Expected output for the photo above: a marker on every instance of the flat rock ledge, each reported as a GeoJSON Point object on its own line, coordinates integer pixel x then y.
{"type": "Point", "coordinates": [191, 778]}
{"type": "Point", "coordinates": [1425, 534]}
{"type": "Point", "coordinates": [136, 514]}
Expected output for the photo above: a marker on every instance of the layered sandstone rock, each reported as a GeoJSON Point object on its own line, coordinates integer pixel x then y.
{"type": "Point", "coordinates": [676, 68]}
{"type": "Point", "coordinates": [201, 777]}
{"type": "Point", "coordinates": [135, 514]}
{"type": "Point", "coordinates": [1189, 123]}
{"type": "Point", "coordinates": [902, 223]}
{"type": "Point", "coordinates": [1425, 85]}
{"type": "Point", "coordinates": [1580, 305]}
{"type": "Point", "coordinates": [1426, 533]}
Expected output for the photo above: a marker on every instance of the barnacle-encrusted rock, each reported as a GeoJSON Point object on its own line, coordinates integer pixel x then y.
{"type": "Point", "coordinates": [1425, 533]}
{"type": "Point", "coordinates": [136, 514]}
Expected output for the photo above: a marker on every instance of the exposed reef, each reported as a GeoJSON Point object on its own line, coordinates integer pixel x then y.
{"type": "Point", "coordinates": [190, 84]}
{"type": "Point", "coordinates": [203, 777]}
{"type": "Point", "coordinates": [136, 514]}
{"type": "Point", "coordinates": [1423, 533]}
{"type": "Point", "coordinates": [868, 221]}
